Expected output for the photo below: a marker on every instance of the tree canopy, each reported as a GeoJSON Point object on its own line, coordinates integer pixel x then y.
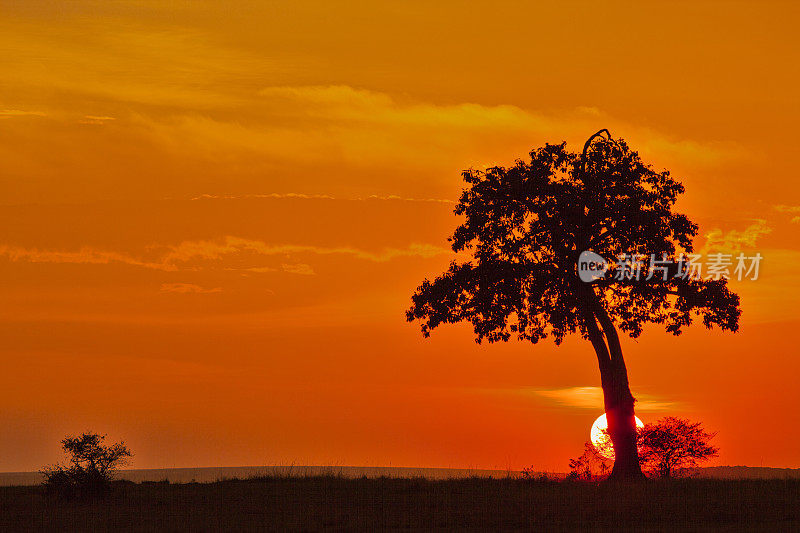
{"type": "Point", "coordinates": [524, 228]}
{"type": "Point", "coordinates": [674, 443]}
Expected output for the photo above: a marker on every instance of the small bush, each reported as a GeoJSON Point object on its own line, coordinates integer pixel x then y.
{"type": "Point", "coordinates": [531, 474]}
{"type": "Point", "coordinates": [91, 467]}
{"type": "Point", "coordinates": [591, 465]}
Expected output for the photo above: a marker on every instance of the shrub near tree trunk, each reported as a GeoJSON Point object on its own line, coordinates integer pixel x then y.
{"type": "Point", "coordinates": [673, 444]}
{"type": "Point", "coordinates": [591, 465]}
{"type": "Point", "coordinates": [666, 449]}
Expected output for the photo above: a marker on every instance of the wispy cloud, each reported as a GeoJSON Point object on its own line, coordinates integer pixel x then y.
{"type": "Point", "coordinates": [733, 241]}
{"type": "Point", "coordinates": [215, 249]}
{"type": "Point", "coordinates": [303, 196]}
{"type": "Point", "coordinates": [406, 199]}
{"type": "Point", "coordinates": [278, 196]}
{"type": "Point", "coordinates": [592, 398]}
{"type": "Point", "coordinates": [197, 254]}
{"type": "Point", "coordinates": [298, 268]}
{"type": "Point", "coordinates": [84, 255]}
{"type": "Point", "coordinates": [185, 288]}
{"type": "Point", "coordinates": [581, 397]}
{"type": "Point", "coordinates": [791, 209]}
{"type": "Point", "coordinates": [8, 113]}
{"type": "Point", "coordinates": [340, 124]}
{"type": "Point", "coordinates": [84, 58]}
{"type": "Point", "coordinates": [259, 270]}
{"type": "Point", "coordinates": [95, 119]}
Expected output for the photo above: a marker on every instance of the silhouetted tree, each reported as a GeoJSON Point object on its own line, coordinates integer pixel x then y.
{"type": "Point", "coordinates": [91, 465]}
{"type": "Point", "coordinates": [525, 227]}
{"type": "Point", "coordinates": [589, 465]}
{"type": "Point", "coordinates": [672, 444]}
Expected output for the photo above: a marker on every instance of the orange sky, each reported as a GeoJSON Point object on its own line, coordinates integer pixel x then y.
{"type": "Point", "coordinates": [214, 218]}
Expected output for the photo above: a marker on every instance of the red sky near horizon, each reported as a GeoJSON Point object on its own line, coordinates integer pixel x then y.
{"type": "Point", "coordinates": [214, 217]}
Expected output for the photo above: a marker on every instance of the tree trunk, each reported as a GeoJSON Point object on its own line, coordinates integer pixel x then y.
{"type": "Point", "coordinates": [621, 422]}
{"type": "Point", "coordinates": [617, 398]}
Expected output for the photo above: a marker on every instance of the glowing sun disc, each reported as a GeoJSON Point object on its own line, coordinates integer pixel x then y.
{"type": "Point", "coordinates": [600, 439]}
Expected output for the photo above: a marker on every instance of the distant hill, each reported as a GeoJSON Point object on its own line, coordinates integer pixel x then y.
{"type": "Point", "coordinates": [746, 472]}
{"type": "Point", "coordinates": [210, 474]}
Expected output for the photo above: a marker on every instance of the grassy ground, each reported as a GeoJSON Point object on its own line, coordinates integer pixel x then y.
{"type": "Point", "coordinates": [320, 503]}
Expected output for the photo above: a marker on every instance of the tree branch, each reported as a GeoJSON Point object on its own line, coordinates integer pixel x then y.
{"type": "Point", "coordinates": [614, 346]}
{"type": "Point", "coordinates": [596, 337]}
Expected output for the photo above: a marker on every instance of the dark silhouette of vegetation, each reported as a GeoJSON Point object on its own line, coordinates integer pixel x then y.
{"type": "Point", "coordinates": [667, 448]}
{"type": "Point", "coordinates": [333, 503]}
{"type": "Point", "coordinates": [525, 227]}
{"type": "Point", "coordinates": [91, 466]}
{"type": "Point", "coordinates": [672, 444]}
{"type": "Point", "coordinates": [532, 474]}
{"type": "Point", "coordinates": [591, 465]}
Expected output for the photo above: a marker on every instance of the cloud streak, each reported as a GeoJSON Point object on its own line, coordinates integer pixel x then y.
{"type": "Point", "coordinates": [272, 196]}
{"type": "Point", "coordinates": [791, 209]}
{"type": "Point", "coordinates": [187, 288]}
{"type": "Point", "coordinates": [340, 124]}
{"type": "Point", "coordinates": [303, 196]}
{"type": "Point", "coordinates": [592, 398]}
{"type": "Point", "coordinates": [85, 255]}
{"type": "Point", "coordinates": [209, 250]}
{"type": "Point", "coordinates": [199, 254]}
{"type": "Point", "coordinates": [8, 113]}
{"type": "Point", "coordinates": [95, 119]}
{"type": "Point", "coordinates": [298, 268]}
{"type": "Point", "coordinates": [734, 241]}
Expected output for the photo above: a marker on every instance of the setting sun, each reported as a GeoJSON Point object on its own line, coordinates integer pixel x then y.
{"type": "Point", "coordinates": [600, 439]}
{"type": "Point", "coordinates": [434, 238]}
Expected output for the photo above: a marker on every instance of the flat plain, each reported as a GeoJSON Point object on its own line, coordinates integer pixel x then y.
{"type": "Point", "coordinates": [314, 503]}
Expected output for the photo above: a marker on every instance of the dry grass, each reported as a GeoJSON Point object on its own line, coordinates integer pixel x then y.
{"type": "Point", "coordinates": [334, 502]}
